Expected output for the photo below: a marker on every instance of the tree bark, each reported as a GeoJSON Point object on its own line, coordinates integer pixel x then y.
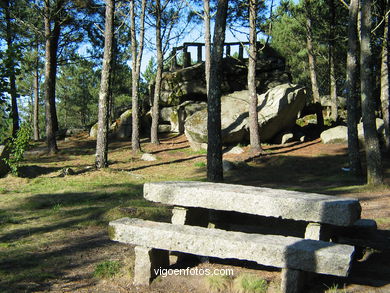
{"type": "Point", "coordinates": [51, 46]}
{"type": "Point", "coordinates": [11, 70]}
{"type": "Point", "coordinates": [385, 80]}
{"type": "Point", "coordinates": [214, 138]}
{"type": "Point", "coordinates": [310, 54]}
{"type": "Point", "coordinates": [207, 41]}
{"type": "Point", "coordinates": [253, 117]}
{"type": "Point", "coordinates": [36, 97]}
{"type": "Point", "coordinates": [101, 160]}
{"type": "Point", "coordinates": [332, 72]}
{"type": "Point", "coordinates": [372, 148]}
{"type": "Point", "coordinates": [352, 90]}
{"type": "Point", "coordinates": [157, 88]}
{"type": "Point", "coordinates": [136, 65]}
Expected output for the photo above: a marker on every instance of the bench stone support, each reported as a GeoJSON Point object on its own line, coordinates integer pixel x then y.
{"type": "Point", "coordinates": [317, 231]}
{"type": "Point", "coordinates": [190, 216]}
{"type": "Point", "coordinates": [292, 281]}
{"type": "Point", "coordinates": [147, 262]}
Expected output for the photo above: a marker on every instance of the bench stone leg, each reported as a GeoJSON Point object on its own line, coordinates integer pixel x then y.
{"type": "Point", "coordinates": [187, 216]}
{"type": "Point", "coordinates": [292, 281]}
{"type": "Point", "coordinates": [147, 263]}
{"type": "Point", "coordinates": [190, 216]}
{"type": "Point", "coordinates": [317, 231]}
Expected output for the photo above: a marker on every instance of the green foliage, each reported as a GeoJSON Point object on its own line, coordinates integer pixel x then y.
{"type": "Point", "coordinates": [18, 146]}
{"type": "Point", "coordinates": [107, 269]}
{"type": "Point", "coordinates": [4, 104]}
{"type": "Point", "coordinates": [289, 39]}
{"type": "Point", "coordinates": [77, 92]}
{"type": "Point", "coordinates": [249, 283]}
{"type": "Point", "coordinates": [150, 71]}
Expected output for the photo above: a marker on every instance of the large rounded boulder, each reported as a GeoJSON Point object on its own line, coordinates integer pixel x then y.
{"type": "Point", "coordinates": [277, 111]}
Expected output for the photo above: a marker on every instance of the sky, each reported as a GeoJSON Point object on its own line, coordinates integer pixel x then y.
{"type": "Point", "coordinates": [197, 36]}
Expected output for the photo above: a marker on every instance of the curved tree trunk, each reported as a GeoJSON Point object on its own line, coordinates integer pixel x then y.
{"type": "Point", "coordinates": [385, 80]}
{"type": "Point", "coordinates": [352, 90]}
{"type": "Point", "coordinates": [36, 97]}
{"type": "Point", "coordinates": [332, 71]}
{"type": "Point", "coordinates": [373, 153]}
{"type": "Point", "coordinates": [157, 88]}
{"type": "Point", "coordinates": [253, 118]}
{"type": "Point", "coordinates": [51, 46]}
{"type": "Point", "coordinates": [214, 140]}
{"type": "Point", "coordinates": [310, 54]}
{"type": "Point", "coordinates": [101, 160]}
{"type": "Point", "coordinates": [207, 41]}
{"type": "Point", "coordinates": [11, 70]}
{"type": "Point", "coordinates": [136, 69]}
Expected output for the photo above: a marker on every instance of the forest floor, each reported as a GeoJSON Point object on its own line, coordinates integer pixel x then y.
{"type": "Point", "coordinates": [53, 226]}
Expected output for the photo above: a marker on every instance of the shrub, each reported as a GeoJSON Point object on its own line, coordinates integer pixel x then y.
{"type": "Point", "coordinates": [18, 146]}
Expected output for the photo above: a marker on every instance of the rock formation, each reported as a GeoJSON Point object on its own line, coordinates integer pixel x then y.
{"type": "Point", "coordinates": [277, 111]}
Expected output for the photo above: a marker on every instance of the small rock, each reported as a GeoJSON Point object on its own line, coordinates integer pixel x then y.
{"type": "Point", "coordinates": [235, 151]}
{"type": "Point", "coordinates": [338, 134]}
{"type": "Point", "coordinates": [148, 157]}
{"type": "Point", "coordinates": [286, 138]}
{"type": "Point", "coordinates": [164, 128]}
{"type": "Point", "coordinates": [227, 165]}
{"type": "Point", "coordinates": [66, 171]}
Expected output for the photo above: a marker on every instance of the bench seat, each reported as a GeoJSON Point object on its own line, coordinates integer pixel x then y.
{"type": "Point", "coordinates": [270, 250]}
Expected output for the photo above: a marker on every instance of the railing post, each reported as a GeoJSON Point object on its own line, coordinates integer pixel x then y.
{"type": "Point", "coordinates": [240, 52]}
{"type": "Point", "coordinates": [173, 63]}
{"type": "Point", "coordinates": [199, 54]}
{"type": "Point", "coordinates": [228, 50]}
{"type": "Point", "coordinates": [186, 58]}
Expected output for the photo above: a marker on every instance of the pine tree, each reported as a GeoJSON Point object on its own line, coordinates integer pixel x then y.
{"type": "Point", "coordinates": [101, 160]}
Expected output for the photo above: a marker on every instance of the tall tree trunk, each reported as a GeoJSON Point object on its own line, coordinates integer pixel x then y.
{"type": "Point", "coordinates": [332, 72]}
{"type": "Point", "coordinates": [207, 41]}
{"type": "Point", "coordinates": [11, 70]}
{"type": "Point", "coordinates": [373, 153]}
{"type": "Point", "coordinates": [157, 88]}
{"type": "Point", "coordinates": [253, 118]}
{"type": "Point", "coordinates": [385, 80]}
{"type": "Point", "coordinates": [136, 64]}
{"type": "Point", "coordinates": [214, 140]}
{"type": "Point", "coordinates": [36, 97]}
{"type": "Point", "coordinates": [101, 160]}
{"type": "Point", "coordinates": [352, 90]}
{"type": "Point", "coordinates": [310, 54]}
{"type": "Point", "coordinates": [51, 45]}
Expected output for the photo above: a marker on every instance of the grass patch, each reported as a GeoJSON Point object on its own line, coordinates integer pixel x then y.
{"type": "Point", "coordinates": [107, 269]}
{"type": "Point", "coordinates": [385, 221]}
{"type": "Point", "coordinates": [146, 213]}
{"type": "Point", "coordinates": [216, 283]}
{"type": "Point", "coordinates": [249, 283]}
{"type": "Point", "coordinates": [200, 164]}
{"type": "Point", "coordinates": [190, 151]}
{"type": "Point", "coordinates": [335, 289]}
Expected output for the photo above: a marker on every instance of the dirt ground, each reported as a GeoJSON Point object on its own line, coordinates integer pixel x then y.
{"type": "Point", "coordinates": [303, 165]}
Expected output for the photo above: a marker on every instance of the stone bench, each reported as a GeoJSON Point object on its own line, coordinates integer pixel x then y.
{"type": "Point", "coordinates": [195, 204]}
